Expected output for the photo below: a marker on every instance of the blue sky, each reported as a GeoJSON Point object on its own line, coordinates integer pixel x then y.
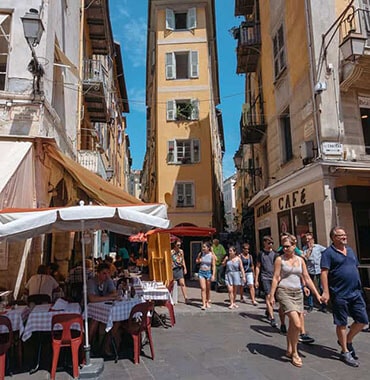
{"type": "Point", "coordinates": [129, 23]}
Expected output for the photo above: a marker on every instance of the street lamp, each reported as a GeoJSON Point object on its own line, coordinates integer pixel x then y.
{"type": "Point", "coordinates": [32, 30]}
{"type": "Point", "coordinates": [32, 27]}
{"type": "Point", "coordinates": [252, 171]}
{"type": "Point", "coordinates": [352, 46]}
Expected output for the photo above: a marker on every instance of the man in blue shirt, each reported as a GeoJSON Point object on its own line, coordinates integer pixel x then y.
{"type": "Point", "coordinates": [340, 281]}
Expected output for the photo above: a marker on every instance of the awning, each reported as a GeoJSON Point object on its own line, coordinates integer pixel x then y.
{"type": "Point", "coordinates": [61, 57]}
{"type": "Point", "coordinates": [98, 189]}
{"type": "Point", "coordinates": [17, 174]}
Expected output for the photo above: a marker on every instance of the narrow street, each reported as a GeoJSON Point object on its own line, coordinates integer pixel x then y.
{"type": "Point", "coordinates": [239, 344]}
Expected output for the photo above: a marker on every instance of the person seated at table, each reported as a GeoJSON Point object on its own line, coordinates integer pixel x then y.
{"type": "Point", "coordinates": [112, 269]}
{"type": "Point", "coordinates": [42, 283]}
{"type": "Point", "coordinates": [74, 280]}
{"type": "Point", "coordinates": [99, 289]}
{"type": "Point", "coordinates": [54, 272]}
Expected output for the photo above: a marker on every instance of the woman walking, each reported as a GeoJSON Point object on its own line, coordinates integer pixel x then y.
{"type": "Point", "coordinates": [207, 270]}
{"type": "Point", "coordinates": [179, 268]}
{"type": "Point", "coordinates": [289, 270]}
{"type": "Point", "coordinates": [234, 275]}
{"type": "Point", "coordinates": [247, 261]}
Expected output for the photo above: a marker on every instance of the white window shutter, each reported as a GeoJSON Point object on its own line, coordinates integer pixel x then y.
{"type": "Point", "coordinates": [191, 18]}
{"type": "Point", "coordinates": [193, 64]}
{"type": "Point", "coordinates": [171, 151]}
{"type": "Point", "coordinates": [170, 66]}
{"type": "Point", "coordinates": [194, 109]}
{"type": "Point", "coordinates": [170, 19]}
{"type": "Point", "coordinates": [171, 109]}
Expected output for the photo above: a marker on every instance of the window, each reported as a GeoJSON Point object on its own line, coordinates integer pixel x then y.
{"type": "Point", "coordinates": [279, 52]}
{"type": "Point", "coordinates": [181, 20]}
{"type": "Point", "coordinates": [182, 65]}
{"type": "Point", "coordinates": [286, 136]}
{"type": "Point", "coordinates": [5, 21]}
{"type": "Point", "coordinates": [183, 109]}
{"type": "Point", "coordinates": [183, 151]}
{"type": "Point", "coordinates": [184, 194]}
{"type": "Point", "coordinates": [365, 120]}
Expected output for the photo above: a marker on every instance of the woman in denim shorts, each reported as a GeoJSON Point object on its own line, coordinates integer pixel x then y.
{"type": "Point", "coordinates": [206, 274]}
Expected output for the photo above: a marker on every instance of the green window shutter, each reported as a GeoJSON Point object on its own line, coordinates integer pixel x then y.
{"type": "Point", "coordinates": [170, 66]}
{"type": "Point", "coordinates": [191, 18]}
{"type": "Point", "coordinates": [193, 64]}
{"type": "Point", "coordinates": [170, 19]}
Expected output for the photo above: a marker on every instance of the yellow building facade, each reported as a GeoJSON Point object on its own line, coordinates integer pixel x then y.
{"type": "Point", "coordinates": [306, 117]}
{"type": "Point", "coordinates": [183, 162]}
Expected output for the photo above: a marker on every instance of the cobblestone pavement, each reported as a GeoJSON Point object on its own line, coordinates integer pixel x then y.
{"type": "Point", "coordinates": [240, 344]}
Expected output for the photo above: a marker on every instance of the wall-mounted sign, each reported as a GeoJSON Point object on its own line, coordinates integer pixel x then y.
{"type": "Point", "coordinates": [293, 199]}
{"type": "Point", "coordinates": [332, 148]}
{"type": "Point", "coordinates": [264, 209]}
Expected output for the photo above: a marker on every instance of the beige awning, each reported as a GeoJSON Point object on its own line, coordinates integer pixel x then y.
{"type": "Point", "coordinates": [62, 58]}
{"type": "Point", "coordinates": [16, 174]}
{"type": "Point", "coordinates": [98, 189]}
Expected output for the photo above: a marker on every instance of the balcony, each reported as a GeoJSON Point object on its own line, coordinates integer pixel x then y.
{"type": "Point", "coordinates": [248, 35]}
{"type": "Point", "coordinates": [95, 79]}
{"type": "Point", "coordinates": [92, 161]}
{"type": "Point", "coordinates": [243, 7]}
{"type": "Point", "coordinates": [355, 47]}
{"type": "Point", "coordinates": [252, 132]}
{"type": "Point", "coordinates": [100, 34]}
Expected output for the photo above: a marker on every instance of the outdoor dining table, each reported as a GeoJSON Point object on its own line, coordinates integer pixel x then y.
{"type": "Point", "coordinates": [153, 291]}
{"type": "Point", "coordinates": [112, 311]}
{"type": "Point", "coordinates": [17, 315]}
{"type": "Point", "coordinates": [40, 317]}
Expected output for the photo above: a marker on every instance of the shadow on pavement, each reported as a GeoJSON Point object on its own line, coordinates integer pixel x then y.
{"type": "Point", "coordinates": [269, 351]}
{"type": "Point", "coordinates": [265, 330]}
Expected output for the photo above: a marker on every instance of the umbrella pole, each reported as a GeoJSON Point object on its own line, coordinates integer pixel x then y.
{"type": "Point", "coordinates": [87, 345]}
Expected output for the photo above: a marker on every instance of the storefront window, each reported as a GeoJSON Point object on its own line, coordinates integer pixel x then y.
{"type": "Point", "coordinates": [304, 221]}
{"type": "Point", "coordinates": [285, 222]}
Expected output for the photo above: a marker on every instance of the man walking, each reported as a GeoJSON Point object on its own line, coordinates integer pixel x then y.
{"type": "Point", "coordinates": [341, 283]}
{"type": "Point", "coordinates": [265, 266]}
{"type": "Point", "coordinates": [312, 252]}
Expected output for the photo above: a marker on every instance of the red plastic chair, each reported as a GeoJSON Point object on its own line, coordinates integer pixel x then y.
{"type": "Point", "coordinates": [139, 322]}
{"type": "Point", "coordinates": [70, 336]}
{"type": "Point", "coordinates": [168, 304]}
{"type": "Point", "coordinates": [5, 342]}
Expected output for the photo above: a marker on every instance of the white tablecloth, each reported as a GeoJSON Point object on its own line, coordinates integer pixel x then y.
{"type": "Point", "coordinates": [111, 312]}
{"type": "Point", "coordinates": [151, 293]}
{"type": "Point", "coordinates": [41, 315]}
{"type": "Point", "coordinates": [17, 317]}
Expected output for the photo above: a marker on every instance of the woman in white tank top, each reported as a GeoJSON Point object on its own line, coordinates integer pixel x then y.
{"type": "Point", "coordinates": [289, 272]}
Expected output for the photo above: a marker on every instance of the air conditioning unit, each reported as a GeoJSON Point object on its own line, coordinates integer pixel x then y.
{"type": "Point", "coordinates": [307, 151]}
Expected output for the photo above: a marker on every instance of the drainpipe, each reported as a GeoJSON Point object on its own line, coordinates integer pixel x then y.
{"type": "Point", "coordinates": [311, 54]}
{"type": "Point", "coordinates": [80, 70]}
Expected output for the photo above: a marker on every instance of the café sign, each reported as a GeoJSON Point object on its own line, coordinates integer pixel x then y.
{"type": "Point", "coordinates": [293, 199]}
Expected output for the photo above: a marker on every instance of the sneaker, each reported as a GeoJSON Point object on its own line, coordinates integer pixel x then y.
{"type": "Point", "coordinates": [347, 358]}
{"type": "Point", "coordinates": [273, 323]}
{"type": "Point", "coordinates": [283, 329]}
{"type": "Point", "coordinates": [352, 351]}
{"type": "Point", "coordinates": [305, 338]}
{"type": "Point", "coordinates": [310, 308]}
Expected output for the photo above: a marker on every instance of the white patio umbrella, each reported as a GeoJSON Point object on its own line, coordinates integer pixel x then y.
{"type": "Point", "coordinates": [20, 224]}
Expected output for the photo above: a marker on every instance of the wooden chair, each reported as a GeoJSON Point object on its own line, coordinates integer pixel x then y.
{"type": "Point", "coordinates": [139, 322]}
{"type": "Point", "coordinates": [6, 340]}
{"type": "Point", "coordinates": [69, 336]}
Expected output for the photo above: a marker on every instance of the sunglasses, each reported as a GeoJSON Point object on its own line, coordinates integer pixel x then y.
{"type": "Point", "coordinates": [286, 246]}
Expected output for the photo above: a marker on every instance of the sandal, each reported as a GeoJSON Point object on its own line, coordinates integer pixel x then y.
{"type": "Point", "coordinates": [231, 307]}
{"type": "Point", "coordinates": [288, 354]}
{"type": "Point", "coordinates": [296, 360]}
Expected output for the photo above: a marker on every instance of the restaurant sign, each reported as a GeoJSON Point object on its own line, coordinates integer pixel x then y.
{"type": "Point", "coordinates": [293, 199]}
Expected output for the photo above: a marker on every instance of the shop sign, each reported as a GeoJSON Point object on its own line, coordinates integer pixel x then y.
{"type": "Point", "coordinates": [293, 199]}
{"type": "Point", "coordinates": [331, 148]}
{"type": "Point", "coordinates": [264, 209]}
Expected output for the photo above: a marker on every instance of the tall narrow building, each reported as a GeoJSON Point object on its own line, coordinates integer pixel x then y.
{"type": "Point", "coordinates": [183, 162]}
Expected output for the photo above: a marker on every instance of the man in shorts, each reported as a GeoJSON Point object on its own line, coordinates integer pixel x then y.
{"type": "Point", "coordinates": [341, 283]}
{"type": "Point", "coordinates": [265, 266]}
